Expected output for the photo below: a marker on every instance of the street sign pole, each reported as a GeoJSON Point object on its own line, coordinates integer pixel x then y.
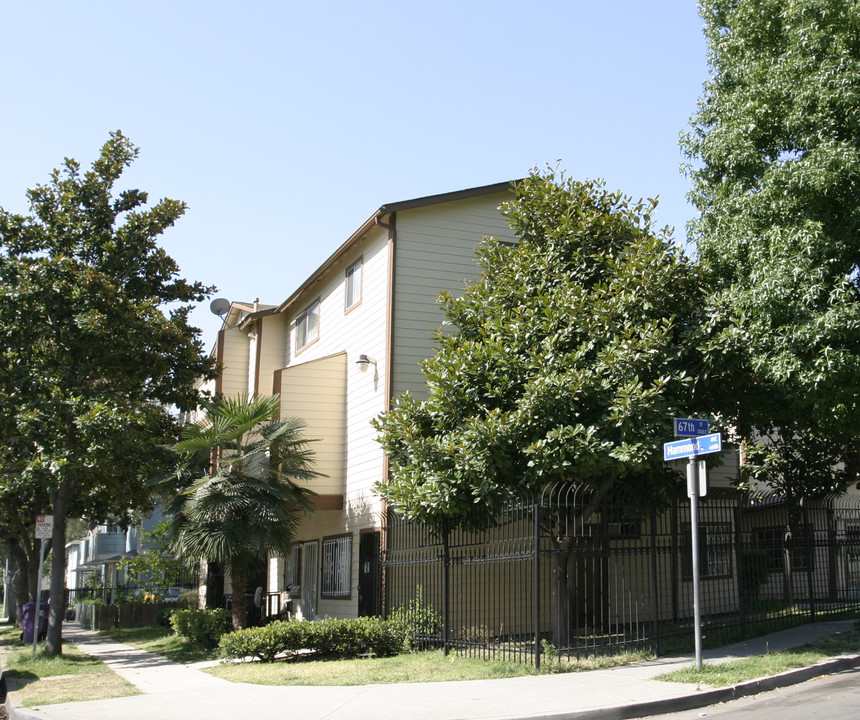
{"type": "Point", "coordinates": [38, 599]}
{"type": "Point", "coordinates": [44, 530]}
{"type": "Point", "coordinates": [696, 474]}
{"type": "Point", "coordinates": [693, 471]}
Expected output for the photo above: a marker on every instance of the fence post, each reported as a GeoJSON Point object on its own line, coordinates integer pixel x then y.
{"type": "Point", "coordinates": [739, 564]}
{"type": "Point", "coordinates": [446, 590]}
{"type": "Point", "coordinates": [809, 542]}
{"type": "Point", "coordinates": [654, 580]}
{"type": "Point", "coordinates": [537, 585]}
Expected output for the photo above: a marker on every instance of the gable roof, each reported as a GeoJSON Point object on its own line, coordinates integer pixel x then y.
{"type": "Point", "coordinates": [377, 220]}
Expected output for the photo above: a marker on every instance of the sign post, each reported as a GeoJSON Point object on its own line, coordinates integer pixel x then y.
{"type": "Point", "coordinates": [44, 530]}
{"type": "Point", "coordinates": [696, 487]}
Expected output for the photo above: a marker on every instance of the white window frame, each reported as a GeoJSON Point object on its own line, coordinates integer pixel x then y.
{"type": "Point", "coordinates": [308, 325]}
{"type": "Point", "coordinates": [353, 284]}
{"type": "Point", "coordinates": [337, 567]}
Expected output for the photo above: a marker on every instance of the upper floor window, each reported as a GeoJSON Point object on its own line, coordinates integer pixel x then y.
{"type": "Point", "coordinates": [308, 325]}
{"type": "Point", "coordinates": [353, 284]}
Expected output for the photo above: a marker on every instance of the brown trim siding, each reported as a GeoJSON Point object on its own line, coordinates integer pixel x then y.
{"type": "Point", "coordinates": [328, 502]}
{"type": "Point", "coordinates": [258, 359]}
{"type": "Point", "coordinates": [219, 360]}
{"type": "Point", "coordinates": [448, 197]}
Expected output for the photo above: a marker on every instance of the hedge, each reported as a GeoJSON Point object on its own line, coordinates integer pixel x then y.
{"type": "Point", "coordinates": [330, 638]}
{"type": "Point", "coordinates": [202, 627]}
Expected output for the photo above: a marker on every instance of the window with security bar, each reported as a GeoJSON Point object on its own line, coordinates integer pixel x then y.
{"type": "Point", "coordinates": [715, 551]}
{"type": "Point", "coordinates": [774, 541]}
{"type": "Point", "coordinates": [337, 567]}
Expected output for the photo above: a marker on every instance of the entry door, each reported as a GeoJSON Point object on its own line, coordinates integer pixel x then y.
{"type": "Point", "coordinates": [369, 577]}
{"type": "Point", "coordinates": [310, 572]}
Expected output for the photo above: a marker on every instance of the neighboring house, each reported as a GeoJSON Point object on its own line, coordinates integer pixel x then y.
{"type": "Point", "coordinates": [99, 553]}
{"type": "Point", "coordinates": [345, 342]}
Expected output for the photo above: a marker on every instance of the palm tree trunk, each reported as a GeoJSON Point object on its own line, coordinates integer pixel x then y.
{"type": "Point", "coordinates": [240, 608]}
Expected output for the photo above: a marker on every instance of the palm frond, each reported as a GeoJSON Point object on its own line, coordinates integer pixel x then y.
{"type": "Point", "coordinates": [252, 507]}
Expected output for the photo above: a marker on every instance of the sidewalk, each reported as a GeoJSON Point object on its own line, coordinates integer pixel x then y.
{"type": "Point", "coordinates": [173, 691]}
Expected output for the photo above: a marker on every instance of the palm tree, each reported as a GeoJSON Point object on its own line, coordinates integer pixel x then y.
{"type": "Point", "coordinates": [247, 504]}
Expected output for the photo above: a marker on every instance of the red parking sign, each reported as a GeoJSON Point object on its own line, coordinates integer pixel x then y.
{"type": "Point", "coordinates": [44, 527]}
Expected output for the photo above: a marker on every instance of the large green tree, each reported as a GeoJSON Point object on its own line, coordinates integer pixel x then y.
{"type": "Point", "coordinates": [775, 169]}
{"type": "Point", "coordinates": [95, 346]}
{"type": "Point", "coordinates": [250, 498]}
{"type": "Point", "coordinates": [571, 354]}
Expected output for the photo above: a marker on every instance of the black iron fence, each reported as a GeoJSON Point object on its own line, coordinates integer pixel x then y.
{"type": "Point", "coordinates": [124, 593]}
{"type": "Point", "coordinates": [575, 574]}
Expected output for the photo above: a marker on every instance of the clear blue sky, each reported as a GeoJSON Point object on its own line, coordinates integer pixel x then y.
{"type": "Point", "coordinates": [285, 124]}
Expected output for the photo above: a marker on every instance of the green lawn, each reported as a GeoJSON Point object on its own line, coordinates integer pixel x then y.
{"type": "Point", "coordinates": [69, 677]}
{"type": "Point", "coordinates": [737, 671]}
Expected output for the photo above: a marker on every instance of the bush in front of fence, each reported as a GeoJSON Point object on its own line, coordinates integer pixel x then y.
{"type": "Point", "coordinates": [330, 638]}
{"type": "Point", "coordinates": [417, 621]}
{"type": "Point", "coordinates": [202, 627]}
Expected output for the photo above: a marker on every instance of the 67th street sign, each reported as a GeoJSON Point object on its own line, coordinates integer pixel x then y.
{"type": "Point", "coordinates": [691, 447]}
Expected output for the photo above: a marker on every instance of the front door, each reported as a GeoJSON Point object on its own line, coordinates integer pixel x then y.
{"type": "Point", "coordinates": [369, 577]}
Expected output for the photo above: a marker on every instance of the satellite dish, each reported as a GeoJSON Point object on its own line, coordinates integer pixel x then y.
{"type": "Point", "coordinates": [219, 306]}
{"type": "Point", "coordinates": [258, 596]}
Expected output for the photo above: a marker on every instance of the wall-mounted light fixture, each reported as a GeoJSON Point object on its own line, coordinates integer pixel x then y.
{"type": "Point", "coordinates": [363, 361]}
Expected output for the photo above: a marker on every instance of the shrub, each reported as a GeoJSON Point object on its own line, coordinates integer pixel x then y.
{"type": "Point", "coordinates": [416, 621]}
{"type": "Point", "coordinates": [162, 617]}
{"type": "Point", "coordinates": [190, 599]}
{"type": "Point", "coordinates": [201, 627]}
{"type": "Point", "coordinates": [755, 571]}
{"type": "Point", "coordinates": [266, 642]}
{"type": "Point", "coordinates": [331, 637]}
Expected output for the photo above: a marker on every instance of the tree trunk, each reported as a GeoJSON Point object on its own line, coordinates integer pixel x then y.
{"type": "Point", "coordinates": [10, 591]}
{"type": "Point", "coordinates": [60, 505]}
{"type": "Point", "coordinates": [240, 608]}
{"type": "Point", "coordinates": [19, 576]}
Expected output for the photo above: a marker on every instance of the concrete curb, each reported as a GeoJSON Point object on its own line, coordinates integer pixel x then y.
{"type": "Point", "coordinates": [15, 712]}
{"type": "Point", "coordinates": [710, 697]}
{"type": "Point", "coordinates": [690, 701]}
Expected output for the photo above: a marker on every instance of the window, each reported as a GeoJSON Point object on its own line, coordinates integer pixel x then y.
{"type": "Point", "coordinates": [852, 541]}
{"type": "Point", "coordinates": [308, 326]}
{"type": "Point", "coordinates": [353, 284]}
{"type": "Point", "coordinates": [772, 541]}
{"type": "Point", "coordinates": [293, 571]}
{"type": "Point", "coordinates": [715, 551]}
{"type": "Point", "coordinates": [337, 566]}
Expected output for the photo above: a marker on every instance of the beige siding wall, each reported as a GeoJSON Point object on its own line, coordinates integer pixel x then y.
{"type": "Point", "coordinates": [726, 474]}
{"type": "Point", "coordinates": [272, 338]}
{"type": "Point", "coordinates": [359, 330]}
{"type": "Point", "coordinates": [352, 458]}
{"type": "Point", "coordinates": [315, 392]}
{"type": "Point", "coordinates": [234, 376]}
{"type": "Point", "coordinates": [435, 251]}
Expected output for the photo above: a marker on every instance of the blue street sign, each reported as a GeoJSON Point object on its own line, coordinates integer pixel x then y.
{"type": "Point", "coordinates": [689, 427]}
{"type": "Point", "coordinates": [686, 448]}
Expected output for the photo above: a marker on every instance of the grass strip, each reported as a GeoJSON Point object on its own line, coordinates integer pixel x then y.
{"type": "Point", "coordinates": [421, 667]}
{"type": "Point", "coordinates": [733, 672]}
{"type": "Point", "coordinates": [70, 677]}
